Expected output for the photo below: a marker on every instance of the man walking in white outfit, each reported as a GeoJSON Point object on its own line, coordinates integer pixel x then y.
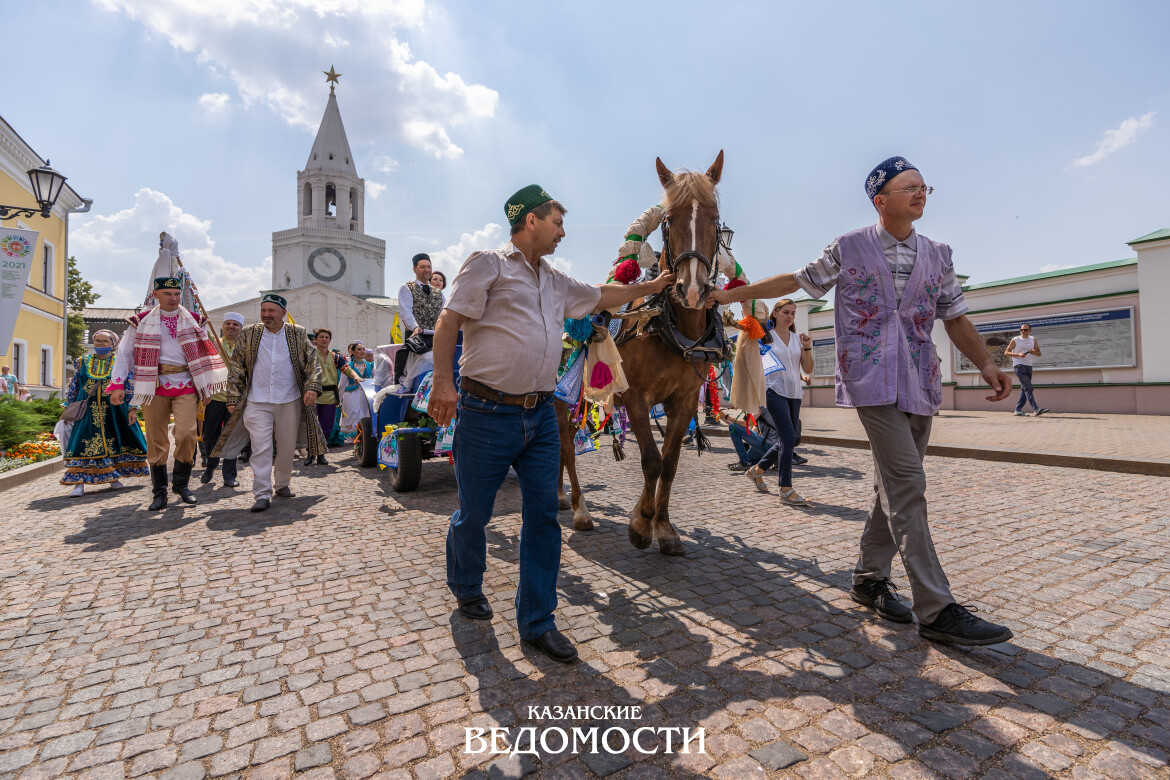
{"type": "Point", "coordinates": [274, 382]}
{"type": "Point", "coordinates": [1021, 349]}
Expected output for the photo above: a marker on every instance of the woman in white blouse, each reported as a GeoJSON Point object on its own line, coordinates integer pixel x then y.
{"type": "Point", "coordinates": [793, 353]}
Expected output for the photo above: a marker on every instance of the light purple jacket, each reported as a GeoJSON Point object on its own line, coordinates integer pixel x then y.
{"type": "Point", "coordinates": [884, 351]}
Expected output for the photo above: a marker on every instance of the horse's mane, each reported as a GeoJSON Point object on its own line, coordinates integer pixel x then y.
{"type": "Point", "coordinates": [688, 186]}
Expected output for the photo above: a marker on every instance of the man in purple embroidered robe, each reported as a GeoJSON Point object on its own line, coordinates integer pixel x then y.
{"type": "Point", "coordinates": [892, 284]}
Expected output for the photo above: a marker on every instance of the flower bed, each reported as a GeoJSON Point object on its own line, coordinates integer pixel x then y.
{"type": "Point", "coordinates": [41, 448]}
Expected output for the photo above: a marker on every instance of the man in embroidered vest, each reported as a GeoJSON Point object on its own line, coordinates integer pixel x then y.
{"type": "Point", "coordinates": [175, 365]}
{"type": "Point", "coordinates": [511, 306]}
{"type": "Point", "coordinates": [892, 284]}
{"type": "Point", "coordinates": [272, 387]}
{"type": "Point", "coordinates": [419, 304]}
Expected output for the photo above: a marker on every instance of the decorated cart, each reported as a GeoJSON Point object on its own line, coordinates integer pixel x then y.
{"type": "Point", "coordinates": [397, 434]}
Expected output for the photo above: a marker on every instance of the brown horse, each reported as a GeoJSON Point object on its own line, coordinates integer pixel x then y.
{"type": "Point", "coordinates": [655, 371]}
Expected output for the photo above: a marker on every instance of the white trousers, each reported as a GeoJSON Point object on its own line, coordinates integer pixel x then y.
{"type": "Point", "coordinates": [266, 423]}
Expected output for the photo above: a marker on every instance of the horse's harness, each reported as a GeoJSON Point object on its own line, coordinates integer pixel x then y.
{"type": "Point", "coordinates": [659, 318]}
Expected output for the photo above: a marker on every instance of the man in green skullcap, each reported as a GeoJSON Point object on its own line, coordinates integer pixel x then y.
{"type": "Point", "coordinates": [272, 395]}
{"type": "Point", "coordinates": [511, 305]}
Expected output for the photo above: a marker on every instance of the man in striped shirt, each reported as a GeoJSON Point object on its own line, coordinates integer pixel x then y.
{"type": "Point", "coordinates": [887, 368]}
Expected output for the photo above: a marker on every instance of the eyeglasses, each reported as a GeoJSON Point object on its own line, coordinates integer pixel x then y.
{"type": "Point", "coordinates": [912, 191]}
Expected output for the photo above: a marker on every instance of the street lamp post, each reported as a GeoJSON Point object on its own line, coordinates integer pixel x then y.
{"type": "Point", "coordinates": [46, 185]}
{"type": "Point", "coordinates": [725, 234]}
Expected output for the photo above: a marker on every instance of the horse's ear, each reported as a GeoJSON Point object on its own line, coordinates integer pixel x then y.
{"type": "Point", "coordinates": [664, 174]}
{"type": "Point", "coordinates": [715, 172]}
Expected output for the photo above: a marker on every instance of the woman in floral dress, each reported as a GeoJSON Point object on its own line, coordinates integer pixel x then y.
{"type": "Point", "coordinates": [106, 444]}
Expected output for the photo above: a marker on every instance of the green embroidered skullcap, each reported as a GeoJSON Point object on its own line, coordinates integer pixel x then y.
{"type": "Point", "coordinates": [167, 283]}
{"type": "Point", "coordinates": [274, 298]}
{"type": "Point", "coordinates": [524, 201]}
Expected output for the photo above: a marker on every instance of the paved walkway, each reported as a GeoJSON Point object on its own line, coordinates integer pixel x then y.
{"type": "Point", "coordinates": [318, 639]}
{"type": "Point", "coordinates": [1139, 436]}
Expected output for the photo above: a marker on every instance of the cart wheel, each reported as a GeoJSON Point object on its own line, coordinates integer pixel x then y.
{"type": "Point", "coordinates": [365, 446]}
{"type": "Point", "coordinates": [406, 477]}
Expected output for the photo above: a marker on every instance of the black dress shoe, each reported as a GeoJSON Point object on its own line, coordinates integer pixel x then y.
{"type": "Point", "coordinates": [958, 625]}
{"type": "Point", "coordinates": [321, 461]}
{"type": "Point", "coordinates": [799, 460]}
{"type": "Point", "coordinates": [310, 460]}
{"type": "Point", "coordinates": [880, 595]}
{"type": "Point", "coordinates": [476, 608]}
{"type": "Point", "coordinates": [556, 646]}
{"type": "Point", "coordinates": [260, 505]}
{"type": "Point", "coordinates": [284, 492]}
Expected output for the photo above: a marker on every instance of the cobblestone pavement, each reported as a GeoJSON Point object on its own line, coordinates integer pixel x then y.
{"type": "Point", "coordinates": [318, 638]}
{"type": "Point", "coordinates": [1141, 436]}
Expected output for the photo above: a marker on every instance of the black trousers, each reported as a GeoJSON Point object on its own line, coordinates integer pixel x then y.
{"type": "Point", "coordinates": [215, 419]}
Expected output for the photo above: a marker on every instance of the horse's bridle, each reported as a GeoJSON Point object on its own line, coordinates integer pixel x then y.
{"type": "Point", "coordinates": [672, 263]}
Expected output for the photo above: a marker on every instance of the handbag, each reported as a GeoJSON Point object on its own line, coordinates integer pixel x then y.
{"type": "Point", "coordinates": [75, 411]}
{"type": "Point", "coordinates": [420, 344]}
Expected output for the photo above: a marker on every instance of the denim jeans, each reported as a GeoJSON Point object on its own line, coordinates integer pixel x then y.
{"type": "Point", "coordinates": [749, 446]}
{"type": "Point", "coordinates": [785, 413]}
{"type": "Point", "coordinates": [1026, 395]}
{"type": "Point", "coordinates": [489, 438]}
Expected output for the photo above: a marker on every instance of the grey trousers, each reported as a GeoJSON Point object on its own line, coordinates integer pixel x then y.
{"type": "Point", "coordinates": [897, 522]}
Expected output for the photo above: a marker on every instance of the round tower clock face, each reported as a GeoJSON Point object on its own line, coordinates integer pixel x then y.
{"type": "Point", "coordinates": [327, 264]}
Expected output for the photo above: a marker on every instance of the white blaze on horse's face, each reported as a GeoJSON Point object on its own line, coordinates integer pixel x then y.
{"type": "Point", "coordinates": [694, 289]}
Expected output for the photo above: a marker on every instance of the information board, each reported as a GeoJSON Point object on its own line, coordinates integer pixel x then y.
{"type": "Point", "coordinates": [1088, 339]}
{"type": "Point", "coordinates": [824, 357]}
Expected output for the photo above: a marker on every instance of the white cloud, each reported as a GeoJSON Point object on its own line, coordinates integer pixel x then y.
{"type": "Point", "coordinates": [215, 103]}
{"type": "Point", "coordinates": [491, 236]}
{"type": "Point", "coordinates": [449, 260]}
{"type": "Point", "coordinates": [124, 245]}
{"type": "Point", "coordinates": [260, 45]}
{"type": "Point", "coordinates": [384, 163]}
{"type": "Point", "coordinates": [1119, 138]}
{"type": "Point", "coordinates": [374, 188]}
{"type": "Point", "coordinates": [1055, 267]}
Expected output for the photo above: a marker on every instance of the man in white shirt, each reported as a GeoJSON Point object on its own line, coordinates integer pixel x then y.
{"type": "Point", "coordinates": [273, 384]}
{"type": "Point", "coordinates": [419, 305]}
{"type": "Point", "coordinates": [173, 366]}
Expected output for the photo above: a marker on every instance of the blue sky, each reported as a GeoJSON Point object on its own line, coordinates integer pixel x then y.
{"type": "Point", "coordinates": [1042, 125]}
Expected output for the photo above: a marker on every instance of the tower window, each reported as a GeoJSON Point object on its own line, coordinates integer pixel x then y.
{"type": "Point", "coordinates": [330, 200]}
{"type": "Point", "coordinates": [307, 208]}
{"type": "Point", "coordinates": [331, 155]}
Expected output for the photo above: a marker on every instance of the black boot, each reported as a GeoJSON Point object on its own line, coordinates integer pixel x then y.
{"type": "Point", "coordinates": [179, 481]}
{"type": "Point", "coordinates": [209, 472]}
{"type": "Point", "coordinates": [158, 479]}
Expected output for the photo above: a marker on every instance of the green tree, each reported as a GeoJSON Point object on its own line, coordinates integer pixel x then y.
{"type": "Point", "coordinates": [78, 296]}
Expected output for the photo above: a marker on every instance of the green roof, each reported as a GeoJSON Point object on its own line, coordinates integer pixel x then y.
{"type": "Point", "coordinates": [1157, 235]}
{"type": "Point", "coordinates": [1080, 269]}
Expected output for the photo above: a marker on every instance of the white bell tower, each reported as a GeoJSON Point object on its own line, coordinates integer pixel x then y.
{"type": "Point", "coordinates": [329, 245]}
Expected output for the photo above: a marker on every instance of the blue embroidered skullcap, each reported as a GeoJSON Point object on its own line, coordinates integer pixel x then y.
{"type": "Point", "coordinates": [883, 172]}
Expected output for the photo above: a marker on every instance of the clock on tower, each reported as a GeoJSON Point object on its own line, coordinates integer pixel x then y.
{"type": "Point", "coordinates": [327, 264]}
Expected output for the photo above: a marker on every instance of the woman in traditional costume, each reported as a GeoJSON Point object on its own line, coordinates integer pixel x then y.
{"type": "Point", "coordinates": [333, 367]}
{"type": "Point", "coordinates": [106, 444]}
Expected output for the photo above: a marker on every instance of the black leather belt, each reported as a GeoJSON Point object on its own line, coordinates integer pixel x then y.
{"type": "Point", "coordinates": [528, 400]}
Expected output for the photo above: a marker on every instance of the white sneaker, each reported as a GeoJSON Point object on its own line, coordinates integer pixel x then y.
{"type": "Point", "coordinates": [116, 485]}
{"type": "Point", "coordinates": [1020, 414]}
{"type": "Point", "coordinates": [79, 490]}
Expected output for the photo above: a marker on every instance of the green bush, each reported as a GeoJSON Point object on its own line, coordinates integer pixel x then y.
{"type": "Point", "coordinates": [48, 411]}
{"type": "Point", "coordinates": [19, 422]}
